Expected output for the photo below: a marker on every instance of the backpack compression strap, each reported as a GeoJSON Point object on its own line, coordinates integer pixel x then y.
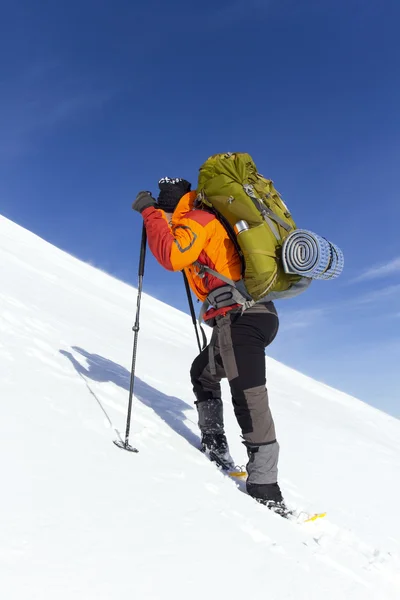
{"type": "Point", "coordinates": [267, 213]}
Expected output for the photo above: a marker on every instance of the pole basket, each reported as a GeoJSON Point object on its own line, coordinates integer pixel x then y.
{"type": "Point", "coordinates": [125, 446]}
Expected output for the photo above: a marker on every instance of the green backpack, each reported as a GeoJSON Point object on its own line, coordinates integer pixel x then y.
{"type": "Point", "coordinates": [255, 216]}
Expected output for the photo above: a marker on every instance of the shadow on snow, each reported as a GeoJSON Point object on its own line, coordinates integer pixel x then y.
{"type": "Point", "coordinates": [168, 408]}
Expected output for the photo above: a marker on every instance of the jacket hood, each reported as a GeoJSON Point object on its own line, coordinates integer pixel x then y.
{"type": "Point", "coordinates": [185, 205]}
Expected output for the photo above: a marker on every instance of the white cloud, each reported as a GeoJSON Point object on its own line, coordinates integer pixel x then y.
{"type": "Point", "coordinates": [299, 319]}
{"type": "Point", "coordinates": [374, 296]}
{"type": "Point", "coordinates": [384, 270]}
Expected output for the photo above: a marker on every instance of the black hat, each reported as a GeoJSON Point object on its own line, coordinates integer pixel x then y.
{"type": "Point", "coordinates": [171, 191]}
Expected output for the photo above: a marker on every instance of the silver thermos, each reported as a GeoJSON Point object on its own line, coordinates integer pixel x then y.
{"type": "Point", "coordinates": [241, 226]}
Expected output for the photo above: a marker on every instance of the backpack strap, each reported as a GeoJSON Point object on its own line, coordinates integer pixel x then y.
{"type": "Point", "coordinates": [235, 298]}
{"type": "Point", "coordinates": [234, 292]}
{"type": "Point", "coordinates": [203, 269]}
{"type": "Point", "coordinates": [239, 289]}
{"type": "Point", "coordinates": [267, 213]}
{"type": "Point", "coordinates": [227, 295]}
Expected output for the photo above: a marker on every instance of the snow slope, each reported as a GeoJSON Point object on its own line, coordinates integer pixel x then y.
{"type": "Point", "coordinates": [81, 519]}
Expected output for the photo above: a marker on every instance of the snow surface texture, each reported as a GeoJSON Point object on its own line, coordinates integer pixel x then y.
{"type": "Point", "coordinates": [82, 519]}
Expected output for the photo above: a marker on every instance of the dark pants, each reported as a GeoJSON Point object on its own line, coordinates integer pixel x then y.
{"type": "Point", "coordinates": [238, 353]}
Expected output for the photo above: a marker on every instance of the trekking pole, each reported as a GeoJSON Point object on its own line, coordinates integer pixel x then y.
{"type": "Point", "coordinates": [192, 312]}
{"type": "Point", "coordinates": [120, 443]}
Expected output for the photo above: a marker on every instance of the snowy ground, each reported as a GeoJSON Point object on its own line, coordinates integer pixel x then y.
{"type": "Point", "coordinates": [81, 519]}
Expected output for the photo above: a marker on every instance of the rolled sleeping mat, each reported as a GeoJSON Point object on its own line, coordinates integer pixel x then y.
{"type": "Point", "coordinates": [310, 255]}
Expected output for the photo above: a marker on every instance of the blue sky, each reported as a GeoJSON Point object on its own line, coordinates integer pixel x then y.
{"type": "Point", "coordinates": [100, 99]}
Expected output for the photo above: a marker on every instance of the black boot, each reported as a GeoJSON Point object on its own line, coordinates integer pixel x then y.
{"type": "Point", "coordinates": [270, 495]}
{"type": "Point", "coordinates": [215, 445]}
{"type": "Point", "coordinates": [262, 467]}
{"type": "Point", "coordinates": [213, 438]}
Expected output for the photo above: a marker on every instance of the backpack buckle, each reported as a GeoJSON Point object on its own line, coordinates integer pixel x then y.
{"type": "Point", "coordinates": [200, 269]}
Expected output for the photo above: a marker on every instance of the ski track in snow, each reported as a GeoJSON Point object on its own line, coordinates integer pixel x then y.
{"type": "Point", "coordinates": [82, 519]}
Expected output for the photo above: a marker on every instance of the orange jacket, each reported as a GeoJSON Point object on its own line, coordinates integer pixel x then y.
{"type": "Point", "coordinates": [194, 235]}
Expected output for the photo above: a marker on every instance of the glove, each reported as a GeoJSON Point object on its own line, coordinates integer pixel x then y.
{"type": "Point", "coordinates": [171, 191]}
{"type": "Point", "coordinates": [143, 200]}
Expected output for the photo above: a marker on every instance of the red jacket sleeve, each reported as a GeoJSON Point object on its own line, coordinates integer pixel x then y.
{"type": "Point", "coordinates": [159, 236]}
{"type": "Point", "coordinates": [175, 248]}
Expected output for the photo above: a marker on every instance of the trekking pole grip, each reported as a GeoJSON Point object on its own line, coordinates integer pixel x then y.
{"type": "Point", "coordinates": [143, 244]}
